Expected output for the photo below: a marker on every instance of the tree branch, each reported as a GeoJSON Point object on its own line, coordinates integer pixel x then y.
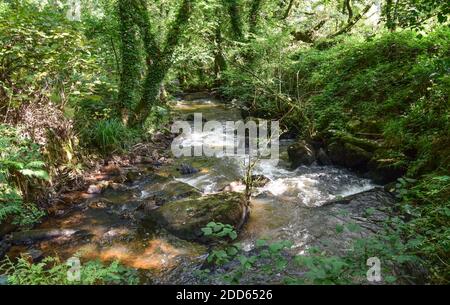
{"type": "Point", "coordinates": [177, 27]}
{"type": "Point", "coordinates": [348, 7]}
{"type": "Point", "coordinates": [143, 21]}
{"type": "Point", "coordinates": [308, 35]}
{"type": "Point", "coordinates": [352, 22]}
{"type": "Point", "coordinates": [288, 9]}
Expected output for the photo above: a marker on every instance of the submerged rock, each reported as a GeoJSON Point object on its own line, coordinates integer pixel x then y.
{"type": "Point", "coordinates": [32, 236]}
{"type": "Point", "coordinates": [185, 218]}
{"type": "Point", "coordinates": [167, 190]}
{"type": "Point", "coordinates": [191, 117]}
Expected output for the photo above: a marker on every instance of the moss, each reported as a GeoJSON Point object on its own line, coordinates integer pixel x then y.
{"type": "Point", "coordinates": [366, 144]}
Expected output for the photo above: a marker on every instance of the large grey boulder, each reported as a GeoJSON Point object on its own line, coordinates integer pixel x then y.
{"type": "Point", "coordinates": [185, 218]}
{"type": "Point", "coordinates": [330, 226]}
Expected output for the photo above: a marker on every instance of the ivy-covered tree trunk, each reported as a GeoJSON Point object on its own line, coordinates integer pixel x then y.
{"type": "Point", "coordinates": [254, 15]}
{"type": "Point", "coordinates": [159, 58]}
{"type": "Point", "coordinates": [235, 17]}
{"type": "Point", "coordinates": [130, 58]}
{"type": "Point", "coordinates": [152, 83]}
{"type": "Point", "coordinates": [389, 13]}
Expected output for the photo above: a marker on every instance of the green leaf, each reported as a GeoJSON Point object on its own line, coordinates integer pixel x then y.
{"type": "Point", "coordinates": [211, 224]}
{"type": "Point", "coordinates": [233, 235]}
{"type": "Point", "coordinates": [207, 231]}
{"type": "Point", "coordinates": [41, 174]}
{"type": "Point", "coordinates": [261, 243]}
{"type": "Point", "coordinates": [232, 251]}
{"type": "Point", "coordinates": [35, 164]}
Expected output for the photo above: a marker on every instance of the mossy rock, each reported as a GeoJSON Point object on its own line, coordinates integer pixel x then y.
{"type": "Point", "coordinates": [366, 144]}
{"type": "Point", "coordinates": [185, 218]}
{"type": "Point", "coordinates": [349, 155]}
{"type": "Point", "coordinates": [362, 125]}
{"type": "Point", "coordinates": [384, 171]}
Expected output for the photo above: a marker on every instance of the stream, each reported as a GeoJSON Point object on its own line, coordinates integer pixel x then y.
{"type": "Point", "coordinates": [285, 208]}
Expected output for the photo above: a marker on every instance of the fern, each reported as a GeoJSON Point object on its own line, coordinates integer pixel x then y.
{"type": "Point", "coordinates": [20, 165]}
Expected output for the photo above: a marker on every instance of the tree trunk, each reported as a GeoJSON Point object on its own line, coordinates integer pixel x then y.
{"type": "Point", "coordinates": [390, 23]}
{"type": "Point", "coordinates": [254, 15]}
{"type": "Point", "coordinates": [288, 9]}
{"type": "Point", "coordinates": [235, 18]}
{"type": "Point", "coordinates": [130, 72]}
{"type": "Point", "coordinates": [153, 80]}
{"type": "Point", "coordinates": [134, 13]}
{"type": "Point", "coordinates": [220, 64]}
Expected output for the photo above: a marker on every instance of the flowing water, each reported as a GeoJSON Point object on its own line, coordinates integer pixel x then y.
{"type": "Point", "coordinates": [279, 209]}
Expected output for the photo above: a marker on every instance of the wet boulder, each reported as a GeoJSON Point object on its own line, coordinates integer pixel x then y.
{"type": "Point", "coordinates": [35, 254]}
{"type": "Point", "coordinates": [186, 169]}
{"type": "Point", "coordinates": [162, 190]}
{"type": "Point", "coordinates": [4, 247]}
{"type": "Point", "coordinates": [348, 155]}
{"type": "Point", "coordinates": [322, 157]}
{"type": "Point", "coordinates": [301, 153]}
{"type": "Point", "coordinates": [384, 171]}
{"type": "Point", "coordinates": [159, 191]}
{"type": "Point", "coordinates": [350, 151]}
{"type": "Point", "coordinates": [94, 189]}
{"type": "Point", "coordinates": [185, 218]}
